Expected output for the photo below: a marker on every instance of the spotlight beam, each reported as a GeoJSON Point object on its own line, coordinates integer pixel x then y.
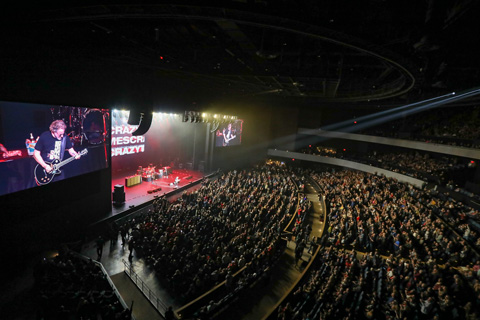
{"type": "Point", "coordinates": [400, 112]}
{"type": "Point", "coordinates": [408, 112]}
{"type": "Point", "coordinates": [306, 140]}
{"type": "Point", "coordinates": [370, 116]}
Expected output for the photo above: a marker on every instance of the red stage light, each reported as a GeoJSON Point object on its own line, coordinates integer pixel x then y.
{"type": "Point", "coordinates": [161, 57]}
{"type": "Point", "coordinates": [293, 159]}
{"type": "Point", "coordinates": [344, 149]}
{"type": "Point", "coordinates": [355, 122]}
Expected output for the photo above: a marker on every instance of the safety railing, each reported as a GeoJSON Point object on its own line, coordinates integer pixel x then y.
{"type": "Point", "coordinates": [158, 304]}
{"type": "Point", "coordinates": [110, 282]}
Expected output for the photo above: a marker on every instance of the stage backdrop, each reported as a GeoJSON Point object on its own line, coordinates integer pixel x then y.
{"type": "Point", "coordinates": [168, 142]}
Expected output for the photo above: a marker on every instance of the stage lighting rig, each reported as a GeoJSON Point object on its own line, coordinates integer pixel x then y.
{"type": "Point", "coordinates": [186, 116]}
{"type": "Point", "coordinates": [215, 126]}
{"type": "Point", "coordinates": [197, 117]}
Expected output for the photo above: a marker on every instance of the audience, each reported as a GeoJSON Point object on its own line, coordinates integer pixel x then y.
{"type": "Point", "coordinates": [391, 252]}
{"type": "Point", "coordinates": [381, 213]}
{"type": "Point", "coordinates": [346, 284]}
{"type": "Point", "coordinates": [451, 172]}
{"type": "Point", "coordinates": [206, 236]}
{"type": "Point", "coordinates": [72, 288]}
{"type": "Point", "coordinates": [447, 125]}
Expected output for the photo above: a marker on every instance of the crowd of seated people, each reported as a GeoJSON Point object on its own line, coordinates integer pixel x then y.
{"type": "Point", "coordinates": [447, 171]}
{"type": "Point", "coordinates": [347, 285]}
{"type": "Point", "coordinates": [301, 213]}
{"type": "Point", "coordinates": [371, 212]}
{"type": "Point", "coordinates": [323, 151]}
{"type": "Point", "coordinates": [206, 236]}
{"type": "Point", "coordinates": [461, 218]}
{"type": "Point", "coordinates": [412, 262]}
{"type": "Point", "coordinates": [298, 230]}
{"type": "Point", "coordinates": [69, 287]}
{"type": "Point", "coordinates": [418, 165]}
{"type": "Point", "coordinates": [444, 126]}
{"type": "Point", "coordinates": [449, 122]}
{"type": "Point", "coordinates": [256, 273]}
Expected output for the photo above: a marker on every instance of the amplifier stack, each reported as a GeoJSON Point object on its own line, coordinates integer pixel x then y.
{"type": "Point", "coordinates": [133, 180]}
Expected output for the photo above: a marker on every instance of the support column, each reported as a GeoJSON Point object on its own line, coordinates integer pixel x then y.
{"type": "Point", "coordinates": [207, 146]}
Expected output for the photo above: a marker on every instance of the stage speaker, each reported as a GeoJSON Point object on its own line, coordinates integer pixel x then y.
{"type": "Point", "coordinates": [118, 194]}
{"type": "Point", "coordinates": [145, 123]}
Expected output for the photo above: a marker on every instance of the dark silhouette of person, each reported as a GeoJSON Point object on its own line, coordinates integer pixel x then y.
{"type": "Point", "coordinates": [99, 243]}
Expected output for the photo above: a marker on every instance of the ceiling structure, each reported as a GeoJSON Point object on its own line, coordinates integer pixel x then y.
{"type": "Point", "coordinates": [358, 52]}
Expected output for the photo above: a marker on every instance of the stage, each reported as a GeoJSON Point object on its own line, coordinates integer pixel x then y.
{"type": "Point", "coordinates": [144, 193]}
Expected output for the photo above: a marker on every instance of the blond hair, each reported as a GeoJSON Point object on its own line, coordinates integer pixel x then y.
{"type": "Point", "coordinates": [57, 124]}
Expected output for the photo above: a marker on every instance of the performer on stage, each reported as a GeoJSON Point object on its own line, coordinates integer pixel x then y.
{"type": "Point", "coordinates": [52, 145]}
{"type": "Point", "coordinates": [165, 172]}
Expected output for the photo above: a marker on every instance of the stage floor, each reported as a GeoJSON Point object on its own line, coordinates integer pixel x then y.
{"type": "Point", "coordinates": [146, 191]}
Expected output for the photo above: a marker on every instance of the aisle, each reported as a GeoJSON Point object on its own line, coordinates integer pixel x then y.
{"type": "Point", "coordinates": [142, 308]}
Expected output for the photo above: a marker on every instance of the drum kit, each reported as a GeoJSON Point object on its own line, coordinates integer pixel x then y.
{"type": "Point", "coordinates": [87, 126]}
{"type": "Point", "coordinates": [150, 173]}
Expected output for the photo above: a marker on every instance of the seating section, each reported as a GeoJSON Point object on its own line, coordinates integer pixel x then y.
{"type": "Point", "coordinates": [447, 125]}
{"type": "Point", "coordinates": [231, 223]}
{"type": "Point", "coordinates": [388, 250]}
{"type": "Point", "coordinates": [388, 253]}
{"type": "Point", "coordinates": [73, 288]}
{"type": "Point", "coordinates": [453, 173]}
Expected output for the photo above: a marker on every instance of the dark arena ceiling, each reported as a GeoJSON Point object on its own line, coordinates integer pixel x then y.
{"type": "Point", "coordinates": [360, 52]}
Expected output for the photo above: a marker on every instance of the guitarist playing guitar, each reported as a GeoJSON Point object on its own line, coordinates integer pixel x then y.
{"type": "Point", "coordinates": [228, 135]}
{"type": "Point", "coordinates": [50, 148]}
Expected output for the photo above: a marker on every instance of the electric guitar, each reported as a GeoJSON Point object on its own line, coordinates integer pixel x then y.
{"type": "Point", "coordinates": [42, 177]}
{"type": "Point", "coordinates": [226, 140]}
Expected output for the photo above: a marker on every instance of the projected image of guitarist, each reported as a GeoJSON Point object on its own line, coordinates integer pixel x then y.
{"type": "Point", "coordinates": [49, 152]}
{"type": "Point", "coordinates": [228, 135]}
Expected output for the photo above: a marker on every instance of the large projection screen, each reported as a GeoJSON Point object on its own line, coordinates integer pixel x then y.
{"type": "Point", "coordinates": [87, 132]}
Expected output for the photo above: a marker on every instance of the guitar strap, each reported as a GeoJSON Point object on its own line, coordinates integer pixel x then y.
{"type": "Point", "coordinates": [62, 149]}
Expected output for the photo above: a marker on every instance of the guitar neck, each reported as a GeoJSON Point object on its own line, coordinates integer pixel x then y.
{"type": "Point", "coordinates": [64, 162]}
